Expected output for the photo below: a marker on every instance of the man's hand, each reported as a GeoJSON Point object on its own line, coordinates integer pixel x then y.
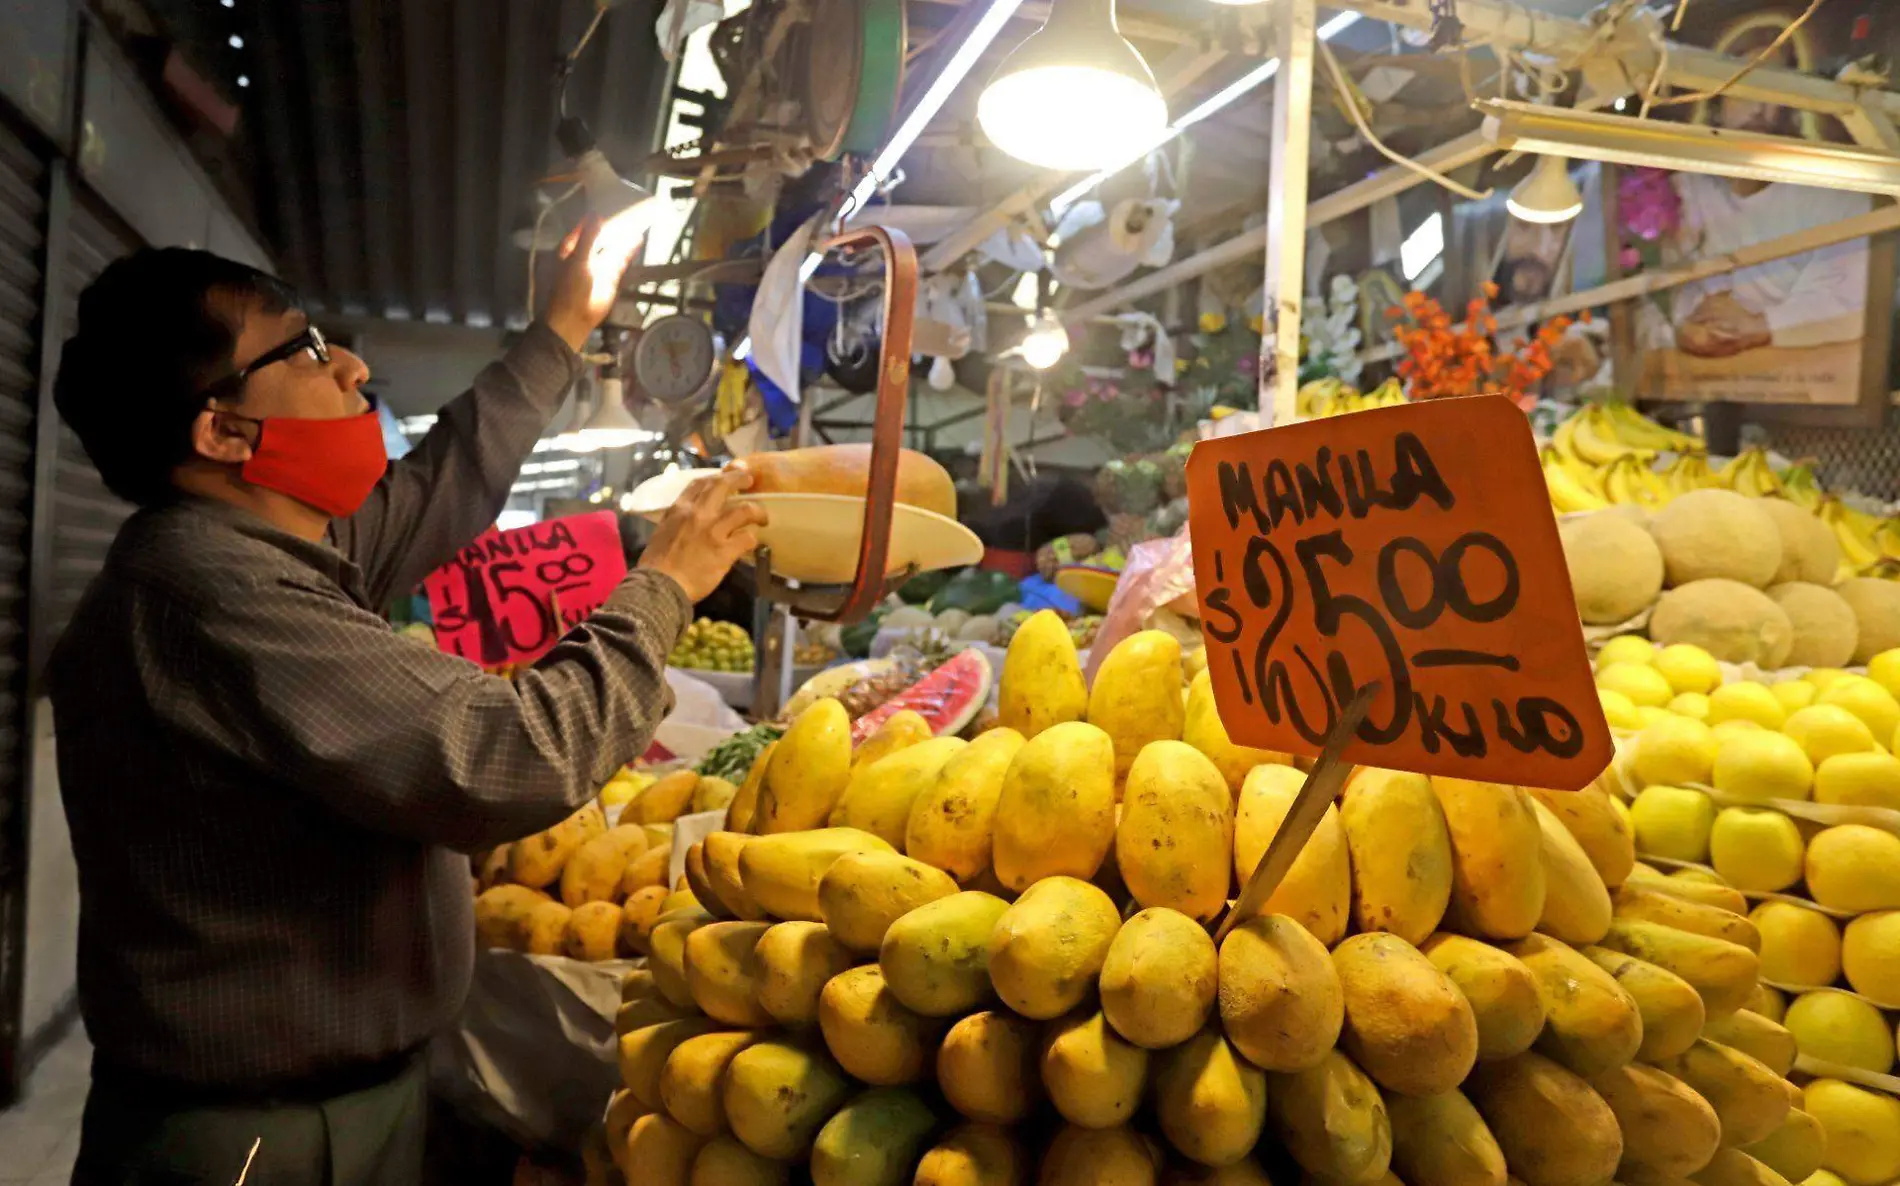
{"type": "Point", "coordinates": [592, 264]}
{"type": "Point", "coordinates": [704, 533]}
{"type": "Point", "coordinates": [1722, 327]}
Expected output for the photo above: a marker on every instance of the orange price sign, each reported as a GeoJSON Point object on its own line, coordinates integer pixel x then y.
{"type": "Point", "coordinates": [1411, 547]}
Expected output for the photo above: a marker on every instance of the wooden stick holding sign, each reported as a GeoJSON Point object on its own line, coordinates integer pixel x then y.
{"type": "Point", "coordinates": [1322, 786]}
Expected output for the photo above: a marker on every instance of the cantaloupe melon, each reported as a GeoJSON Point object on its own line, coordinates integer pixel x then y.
{"type": "Point", "coordinates": [1826, 632]}
{"type": "Point", "coordinates": [1809, 551]}
{"type": "Point", "coordinates": [1616, 569]}
{"type": "Point", "coordinates": [1876, 603]}
{"type": "Point", "coordinates": [1708, 534]}
{"type": "Point", "coordinates": [1733, 621]}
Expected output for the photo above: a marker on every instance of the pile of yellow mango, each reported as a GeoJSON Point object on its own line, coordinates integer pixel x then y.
{"type": "Point", "coordinates": [936, 962]}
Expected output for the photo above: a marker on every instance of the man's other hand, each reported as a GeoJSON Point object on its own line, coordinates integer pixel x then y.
{"type": "Point", "coordinates": [592, 265]}
{"type": "Point", "coordinates": [705, 533]}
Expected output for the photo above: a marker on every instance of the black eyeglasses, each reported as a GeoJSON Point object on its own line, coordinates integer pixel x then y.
{"type": "Point", "coordinates": [311, 341]}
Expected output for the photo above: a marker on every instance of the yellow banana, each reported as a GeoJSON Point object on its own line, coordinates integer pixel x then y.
{"type": "Point", "coordinates": [1887, 539]}
{"type": "Point", "coordinates": [1595, 440]}
{"type": "Point", "coordinates": [1857, 551]}
{"type": "Point", "coordinates": [1800, 485]}
{"type": "Point", "coordinates": [1635, 429]}
{"type": "Point", "coordinates": [1566, 493]}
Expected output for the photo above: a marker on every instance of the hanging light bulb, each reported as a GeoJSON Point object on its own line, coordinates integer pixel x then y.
{"type": "Point", "coordinates": [1047, 342]}
{"type": "Point", "coordinates": [611, 426]}
{"type": "Point", "coordinates": [1548, 194]}
{"type": "Point", "coordinates": [1075, 94]}
{"type": "Point", "coordinates": [626, 211]}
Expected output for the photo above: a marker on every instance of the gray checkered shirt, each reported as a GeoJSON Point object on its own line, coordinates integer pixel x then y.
{"type": "Point", "coordinates": [270, 791]}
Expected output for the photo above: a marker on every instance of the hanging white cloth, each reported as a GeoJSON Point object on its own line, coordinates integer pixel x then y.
{"type": "Point", "coordinates": [681, 19]}
{"type": "Point", "coordinates": [777, 324]}
{"type": "Point", "coordinates": [1139, 329]}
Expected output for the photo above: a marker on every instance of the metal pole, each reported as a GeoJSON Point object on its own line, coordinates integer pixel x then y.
{"type": "Point", "coordinates": [1286, 208]}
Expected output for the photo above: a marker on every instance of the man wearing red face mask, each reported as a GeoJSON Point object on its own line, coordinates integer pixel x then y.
{"type": "Point", "coordinates": [269, 791]}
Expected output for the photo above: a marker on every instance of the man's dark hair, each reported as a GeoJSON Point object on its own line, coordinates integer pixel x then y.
{"type": "Point", "coordinates": [154, 330]}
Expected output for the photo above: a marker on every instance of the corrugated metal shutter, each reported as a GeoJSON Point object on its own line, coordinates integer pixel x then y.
{"type": "Point", "coordinates": [85, 514]}
{"type": "Point", "coordinates": [23, 182]}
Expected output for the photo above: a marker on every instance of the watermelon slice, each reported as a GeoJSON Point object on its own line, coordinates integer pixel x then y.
{"type": "Point", "coordinates": [949, 697]}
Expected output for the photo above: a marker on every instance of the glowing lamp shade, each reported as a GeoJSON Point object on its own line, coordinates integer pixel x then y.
{"type": "Point", "coordinates": [611, 426]}
{"type": "Point", "coordinates": [1074, 95]}
{"type": "Point", "coordinates": [1547, 195]}
{"type": "Point", "coordinates": [1046, 344]}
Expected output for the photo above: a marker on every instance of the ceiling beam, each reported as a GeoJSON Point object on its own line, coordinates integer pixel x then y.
{"type": "Point", "coordinates": [1179, 71]}
{"type": "Point", "coordinates": [422, 39]}
{"type": "Point", "coordinates": [1689, 67]}
{"type": "Point", "coordinates": [379, 204]}
{"type": "Point", "coordinates": [1248, 245]}
{"type": "Point", "coordinates": [333, 124]}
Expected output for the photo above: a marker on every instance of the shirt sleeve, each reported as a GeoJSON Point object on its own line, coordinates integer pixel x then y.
{"type": "Point", "coordinates": [455, 482]}
{"type": "Point", "coordinates": [290, 676]}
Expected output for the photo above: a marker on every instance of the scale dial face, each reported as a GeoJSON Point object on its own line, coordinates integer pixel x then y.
{"type": "Point", "coordinates": [674, 358]}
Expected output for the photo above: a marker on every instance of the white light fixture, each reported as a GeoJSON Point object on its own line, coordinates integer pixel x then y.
{"type": "Point", "coordinates": [1547, 195]}
{"type": "Point", "coordinates": [1225, 97]}
{"type": "Point", "coordinates": [1422, 246]}
{"type": "Point", "coordinates": [1046, 344]}
{"type": "Point", "coordinates": [244, 80]}
{"type": "Point", "coordinates": [1073, 95]}
{"type": "Point", "coordinates": [611, 426]}
{"type": "Point", "coordinates": [1693, 148]}
{"type": "Point", "coordinates": [236, 41]}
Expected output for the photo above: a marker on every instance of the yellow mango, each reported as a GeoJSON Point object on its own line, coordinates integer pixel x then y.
{"type": "Point", "coordinates": [1332, 1121]}
{"type": "Point", "coordinates": [1093, 1076]}
{"type": "Point", "coordinates": [1646, 903]}
{"type": "Point", "coordinates": [1176, 829]}
{"type": "Point", "coordinates": [1117, 1156]}
{"type": "Point", "coordinates": [723, 973]}
{"type": "Point", "coordinates": [952, 824]}
{"type": "Point", "coordinates": [1723, 973]}
{"type": "Point", "coordinates": [810, 767]}
{"type": "Point", "coordinates": [720, 856]}
{"type": "Point", "coordinates": [666, 957]}
{"type": "Point", "coordinates": [880, 794]}
{"type": "Point", "coordinates": [1042, 677]}
{"type": "Point", "coordinates": [623, 1108]}
{"type": "Point", "coordinates": [536, 861]}
{"type": "Point", "coordinates": [1593, 1024]}
{"type": "Point", "coordinates": [1048, 946]}
{"type": "Point", "coordinates": [1440, 1140]}
{"type": "Point", "coordinates": [1201, 727]}
{"type": "Point", "coordinates": [778, 1094]}
{"type": "Point", "coordinates": [593, 932]}
{"type": "Point", "coordinates": [1211, 1103]}
{"type": "Point", "coordinates": [1594, 822]}
{"type": "Point", "coordinates": [875, 1140]}
{"type": "Point", "coordinates": [1766, 1041]}
{"type": "Point", "coordinates": [1317, 891]}
{"type": "Point", "coordinates": [638, 914]}
{"type": "Point", "coordinates": [543, 929]}
{"type": "Point", "coordinates": [1668, 1130]}
{"type": "Point", "coordinates": [1159, 979]}
{"type": "Point", "coordinates": [1136, 697]}
{"type": "Point", "coordinates": [1732, 1167]}
{"type": "Point", "coordinates": [936, 958]}
{"type": "Point", "coordinates": [796, 960]}
{"type": "Point", "coordinates": [491, 868]}
{"type": "Point", "coordinates": [1670, 1006]}
{"type": "Point", "coordinates": [1503, 995]}
{"type": "Point", "coordinates": [1497, 885]}
{"type": "Point", "coordinates": [1576, 903]}
{"type": "Point", "coordinates": [593, 873]}
{"type": "Point", "coordinates": [647, 1011]}
{"type": "Point", "coordinates": [699, 884]}
{"type": "Point", "coordinates": [1722, 896]}
{"type": "Point", "coordinates": [870, 1032]}
{"type": "Point", "coordinates": [499, 912]}
{"type": "Point", "coordinates": [1280, 997]}
{"type": "Point", "coordinates": [693, 1076]}
{"type": "Point", "coordinates": [900, 730]}
{"type": "Point", "coordinates": [712, 794]}
{"type": "Point", "coordinates": [863, 893]}
{"type": "Point", "coordinates": [1749, 1098]}
{"type": "Point", "coordinates": [1406, 1023]}
{"type": "Point", "coordinates": [988, 1067]}
{"type": "Point", "coordinates": [1795, 1149]}
{"type": "Point", "coordinates": [1401, 853]}
{"type": "Point", "coordinates": [646, 871]}
{"type": "Point", "coordinates": [782, 872]}
{"type": "Point", "coordinates": [723, 1161]}
{"type": "Point", "coordinates": [1555, 1130]}
{"type": "Point", "coordinates": [663, 1150]}
{"type": "Point", "coordinates": [662, 802]}
{"type": "Point", "coordinates": [1056, 813]}
{"type": "Point", "coordinates": [643, 1054]}
{"type": "Point", "coordinates": [975, 1155]}
{"type": "Point", "coordinates": [743, 811]}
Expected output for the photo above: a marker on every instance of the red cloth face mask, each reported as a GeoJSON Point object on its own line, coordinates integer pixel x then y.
{"type": "Point", "coordinates": [331, 465]}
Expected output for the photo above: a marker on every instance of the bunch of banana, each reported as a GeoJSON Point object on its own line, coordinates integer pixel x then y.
{"type": "Point", "coordinates": [1324, 397]}
{"type": "Point", "coordinates": [1800, 486]}
{"type": "Point", "coordinates": [1591, 436]}
{"type": "Point", "coordinates": [1637, 430]}
{"type": "Point", "coordinates": [1750, 473]}
{"type": "Point", "coordinates": [1568, 493]}
{"type": "Point", "coordinates": [1865, 539]}
{"type": "Point", "coordinates": [1689, 471]}
{"type": "Point", "coordinates": [1629, 479]}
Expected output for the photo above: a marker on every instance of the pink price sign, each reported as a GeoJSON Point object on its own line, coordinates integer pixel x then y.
{"type": "Point", "coordinates": [507, 598]}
